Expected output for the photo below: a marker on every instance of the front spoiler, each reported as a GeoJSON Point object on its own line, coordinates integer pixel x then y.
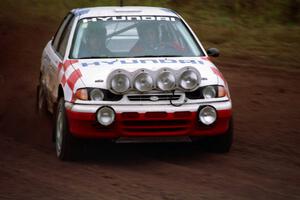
{"type": "Point", "coordinates": [163, 139]}
{"type": "Point", "coordinates": [147, 124]}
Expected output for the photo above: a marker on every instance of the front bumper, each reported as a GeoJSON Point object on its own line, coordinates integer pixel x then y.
{"type": "Point", "coordinates": [147, 121]}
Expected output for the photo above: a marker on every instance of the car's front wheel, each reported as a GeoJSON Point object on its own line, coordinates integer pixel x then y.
{"type": "Point", "coordinates": [67, 146]}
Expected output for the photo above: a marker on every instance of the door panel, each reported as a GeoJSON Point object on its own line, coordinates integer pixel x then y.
{"type": "Point", "coordinates": [52, 79]}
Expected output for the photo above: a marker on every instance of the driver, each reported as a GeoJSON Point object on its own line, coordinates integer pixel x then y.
{"type": "Point", "coordinates": [148, 41]}
{"type": "Point", "coordinates": [151, 42]}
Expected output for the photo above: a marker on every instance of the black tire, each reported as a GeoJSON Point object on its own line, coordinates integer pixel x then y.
{"type": "Point", "coordinates": [221, 143]}
{"type": "Point", "coordinates": [67, 146]}
{"type": "Point", "coordinates": [41, 104]}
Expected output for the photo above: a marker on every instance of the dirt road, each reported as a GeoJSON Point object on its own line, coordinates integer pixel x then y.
{"type": "Point", "coordinates": [264, 162]}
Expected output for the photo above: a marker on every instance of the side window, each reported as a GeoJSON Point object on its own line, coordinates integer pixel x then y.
{"type": "Point", "coordinates": [62, 45]}
{"type": "Point", "coordinates": [59, 32]}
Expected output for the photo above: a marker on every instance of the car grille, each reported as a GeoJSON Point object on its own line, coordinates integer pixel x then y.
{"type": "Point", "coordinates": [153, 97]}
{"type": "Point", "coordinates": [156, 123]}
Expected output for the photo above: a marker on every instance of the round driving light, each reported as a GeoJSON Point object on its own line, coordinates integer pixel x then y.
{"type": "Point", "coordinates": [120, 83]}
{"type": "Point", "coordinates": [188, 80]}
{"type": "Point", "coordinates": [96, 95]}
{"type": "Point", "coordinates": [207, 115]}
{"type": "Point", "coordinates": [143, 82]}
{"type": "Point", "coordinates": [105, 116]}
{"type": "Point", "coordinates": [209, 92]}
{"type": "Point", "coordinates": [166, 81]}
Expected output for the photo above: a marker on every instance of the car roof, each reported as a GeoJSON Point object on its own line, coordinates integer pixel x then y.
{"type": "Point", "coordinates": [123, 11]}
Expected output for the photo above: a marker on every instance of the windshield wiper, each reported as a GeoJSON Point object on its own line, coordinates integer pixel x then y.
{"type": "Point", "coordinates": [147, 56]}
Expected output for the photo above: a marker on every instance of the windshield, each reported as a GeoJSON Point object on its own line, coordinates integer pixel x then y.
{"type": "Point", "coordinates": [133, 36]}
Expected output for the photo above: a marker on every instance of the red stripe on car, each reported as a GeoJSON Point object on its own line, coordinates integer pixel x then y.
{"type": "Point", "coordinates": [219, 74]}
{"type": "Point", "coordinates": [67, 63]}
{"type": "Point", "coordinates": [63, 80]}
{"type": "Point", "coordinates": [60, 65]}
{"type": "Point", "coordinates": [73, 78]}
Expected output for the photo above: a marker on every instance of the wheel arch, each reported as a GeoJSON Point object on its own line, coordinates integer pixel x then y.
{"type": "Point", "coordinates": [60, 92]}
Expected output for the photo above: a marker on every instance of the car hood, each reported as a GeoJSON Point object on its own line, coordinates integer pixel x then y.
{"type": "Point", "coordinates": [95, 71]}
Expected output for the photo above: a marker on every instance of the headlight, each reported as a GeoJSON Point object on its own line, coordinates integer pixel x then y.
{"type": "Point", "coordinates": [96, 95]}
{"type": "Point", "coordinates": [209, 92]}
{"type": "Point", "coordinates": [143, 82]}
{"type": "Point", "coordinates": [166, 81]}
{"type": "Point", "coordinates": [120, 83]}
{"type": "Point", "coordinates": [106, 116]}
{"type": "Point", "coordinates": [207, 115]}
{"type": "Point", "coordinates": [188, 80]}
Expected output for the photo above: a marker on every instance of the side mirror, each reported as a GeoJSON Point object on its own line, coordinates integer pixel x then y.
{"type": "Point", "coordinates": [213, 52]}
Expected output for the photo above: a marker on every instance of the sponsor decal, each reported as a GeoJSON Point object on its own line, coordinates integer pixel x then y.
{"type": "Point", "coordinates": [130, 18]}
{"type": "Point", "coordinates": [146, 61]}
{"type": "Point", "coordinates": [46, 58]}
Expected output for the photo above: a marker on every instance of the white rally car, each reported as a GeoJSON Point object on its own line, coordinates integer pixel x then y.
{"type": "Point", "coordinates": [132, 74]}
